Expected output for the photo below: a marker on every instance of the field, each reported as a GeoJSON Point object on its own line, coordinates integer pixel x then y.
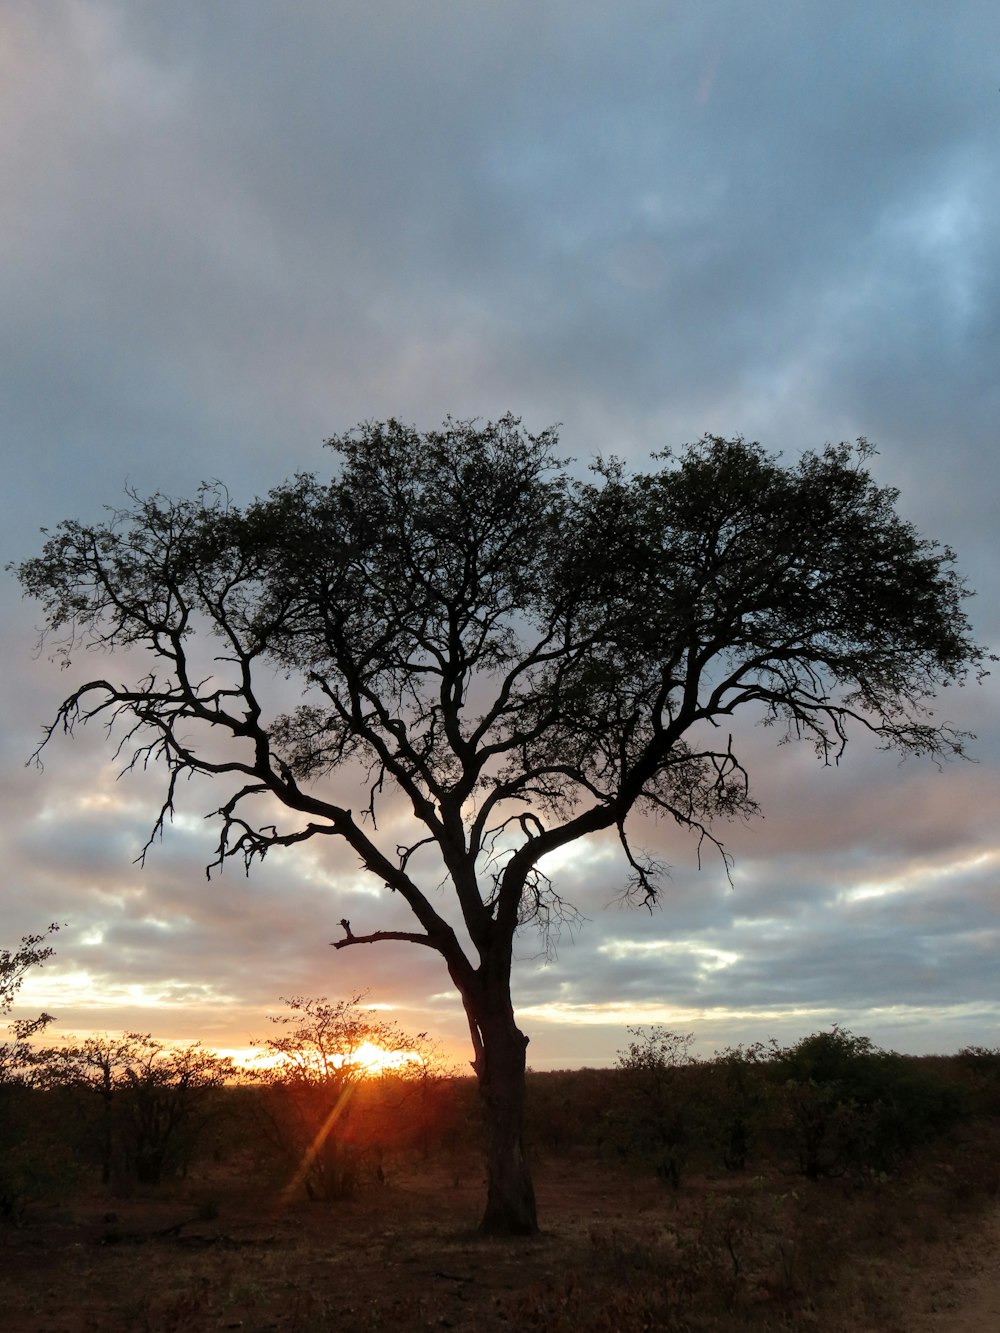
{"type": "Point", "coordinates": [224, 1244]}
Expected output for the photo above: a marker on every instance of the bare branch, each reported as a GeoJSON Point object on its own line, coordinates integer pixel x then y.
{"type": "Point", "coordinates": [379, 935]}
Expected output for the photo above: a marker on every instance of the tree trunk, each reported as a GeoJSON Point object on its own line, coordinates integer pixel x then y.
{"type": "Point", "coordinates": [500, 1068]}
{"type": "Point", "coordinates": [106, 1141]}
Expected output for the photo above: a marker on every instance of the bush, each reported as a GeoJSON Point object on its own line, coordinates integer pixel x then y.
{"type": "Point", "coordinates": [141, 1106]}
{"type": "Point", "coordinates": [26, 1157]}
{"type": "Point", "coordinates": [662, 1099]}
{"type": "Point", "coordinates": [741, 1102]}
{"type": "Point", "coordinates": [850, 1106]}
{"type": "Point", "coordinates": [329, 1112]}
{"type": "Point", "coordinates": [979, 1070]}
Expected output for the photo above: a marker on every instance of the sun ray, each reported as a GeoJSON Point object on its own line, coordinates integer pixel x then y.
{"type": "Point", "coordinates": [314, 1149]}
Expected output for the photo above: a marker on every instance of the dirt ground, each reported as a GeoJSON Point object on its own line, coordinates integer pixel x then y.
{"type": "Point", "coordinates": [964, 1287]}
{"type": "Point", "coordinates": [617, 1253]}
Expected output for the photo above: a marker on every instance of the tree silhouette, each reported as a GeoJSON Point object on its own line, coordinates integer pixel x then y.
{"type": "Point", "coordinates": [154, 1100]}
{"type": "Point", "coordinates": [315, 1072]}
{"type": "Point", "coordinates": [18, 1058]}
{"type": "Point", "coordinates": [524, 658]}
{"type": "Point", "coordinates": [14, 965]}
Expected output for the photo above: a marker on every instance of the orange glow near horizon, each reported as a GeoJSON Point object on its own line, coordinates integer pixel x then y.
{"type": "Point", "coordinates": [371, 1059]}
{"type": "Point", "coordinates": [375, 1060]}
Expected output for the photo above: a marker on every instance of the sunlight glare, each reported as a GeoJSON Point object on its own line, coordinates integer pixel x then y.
{"type": "Point", "coordinates": [375, 1060]}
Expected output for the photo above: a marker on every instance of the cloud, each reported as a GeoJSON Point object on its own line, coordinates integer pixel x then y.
{"type": "Point", "coordinates": [225, 241]}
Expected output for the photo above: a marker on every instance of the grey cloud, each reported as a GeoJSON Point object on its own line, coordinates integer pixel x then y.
{"type": "Point", "coordinates": [225, 241]}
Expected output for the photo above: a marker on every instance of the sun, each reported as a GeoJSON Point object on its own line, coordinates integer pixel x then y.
{"type": "Point", "coordinates": [376, 1060]}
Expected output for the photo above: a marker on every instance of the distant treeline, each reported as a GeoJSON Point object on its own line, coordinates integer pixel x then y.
{"type": "Point", "coordinates": [129, 1112]}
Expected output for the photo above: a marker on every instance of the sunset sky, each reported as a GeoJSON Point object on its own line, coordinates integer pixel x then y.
{"type": "Point", "coordinates": [228, 231]}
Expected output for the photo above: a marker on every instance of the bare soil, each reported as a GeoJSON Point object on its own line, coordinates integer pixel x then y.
{"type": "Point", "coordinates": [618, 1252]}
{"type": "Point", "coordinates": [964, 1286]}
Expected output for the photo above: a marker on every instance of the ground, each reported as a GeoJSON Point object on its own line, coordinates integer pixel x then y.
{"type": "Point", "coordinates": [618, 1252]}
{"type": "Point", "coordinates": [964, 1286]}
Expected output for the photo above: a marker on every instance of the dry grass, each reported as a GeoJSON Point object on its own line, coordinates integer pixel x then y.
{"type": "Point", "coordinates": [619, 1252]}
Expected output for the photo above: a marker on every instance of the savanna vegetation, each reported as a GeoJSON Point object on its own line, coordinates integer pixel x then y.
{"type": "Point", "coordinates": [821, 1185]}
{"type": "Point", "coordinates": [517, 658]}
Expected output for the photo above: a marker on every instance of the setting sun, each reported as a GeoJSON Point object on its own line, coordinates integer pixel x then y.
{"type": "Point", "coordinates": [375, 1060]}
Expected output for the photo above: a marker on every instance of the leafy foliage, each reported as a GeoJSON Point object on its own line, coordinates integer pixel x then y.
{"type": "Point", "coordinates": [526, 659]}
{"type": "Point", "coordinates": [481, 631]}
{"type": "Point", "coordinates": [316, 1078]}
{"type": "Point", "coordinates": [18, 1057]}
{"type": "Point", "coordinates": [14, 966]}
{"type": "Point", "coordinates": [981, 1069]}
{"type": "Point", "coordinates": [663, 1104]}
{"type": "Point", "coordinates": [144, 1105]}
{"type": "Point", "coordinates": [853, 1107]}
{"type": "Point", "coordinates": [24, 1162]}
{"type": "Point", "coordinates": [739, 1120]}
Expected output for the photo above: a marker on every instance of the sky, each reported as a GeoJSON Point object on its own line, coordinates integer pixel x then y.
{"type": "Point", "coordinates": [228, 232]}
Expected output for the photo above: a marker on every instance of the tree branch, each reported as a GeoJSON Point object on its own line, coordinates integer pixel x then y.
{"type": "Point", "coordinates": [376, 936]}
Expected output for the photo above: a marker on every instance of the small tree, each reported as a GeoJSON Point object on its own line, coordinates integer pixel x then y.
{"type": "Point", "coordinates": [155, 1100]}
{"type": "Point", "coordinates": [661, 1109]}
{"type": "Point", "coordinates": [525, 659]}
{"type": "Point", "coordinates": [168, 1095]}
{"type": "Point", "coordinates": [851, 1106]}
{"type": "Point", "coordinates": [744, 1079]}
{"type": "Point", "coordinates": [23, 1156]}
{"type": "Point", "coordinates": [105, 1067]}
{"type": "Point", "coordinates": [327, 1054]}
{"type": "Point", "coordinates": [430, 1080]}
{"type": "Point", "coordinates": [979, 1067]}
{"type": "Point", "coordinates": [14, 966]}
{"type": "Point", "coordinates": [19, 1059]}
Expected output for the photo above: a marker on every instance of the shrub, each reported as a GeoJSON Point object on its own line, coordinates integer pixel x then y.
{"type": "Point", "coordinates": [327, 1110]}
{"type": "Point", "coordinates": [851, 1106]}
{"type": "Point", "coordinates": [741, 1101]}
{"type": "Point", "coordinates": [661, 1099]}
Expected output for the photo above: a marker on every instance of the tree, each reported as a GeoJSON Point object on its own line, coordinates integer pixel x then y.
{"type": "Point", "coordinates": [662, 1097]}
{"type": "Point", "coordinates": [526, 659]}
{"type": "Point", "coordinates": [151, 1101]}
{"type": "Point", "coordinates": [313, 1073]}
{"type": "Point", "coordinates": [14, 966]}
{"type": "Point", "coordinates": [850, 1106]}
{"type": "Point", "coordinates": [24, 1154]}
{"type": "Point", "coordinates": [99, 1066]}
{"type": "Point", "coordinates": [18, 1057]}
{"type": "Point", "coordinates": [744, 1078]}
{"type": "Point", "coordinates": [169, 1095]}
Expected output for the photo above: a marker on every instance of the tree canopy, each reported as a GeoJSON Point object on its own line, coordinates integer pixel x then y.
{"type": "Point", "coordinates": [526, 656]}
{"type": "Point", "coordinates": [14, 965]}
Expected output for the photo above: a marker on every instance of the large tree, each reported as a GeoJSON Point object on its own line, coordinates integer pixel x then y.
{"type": "Point", "coordinates": [525, 657]}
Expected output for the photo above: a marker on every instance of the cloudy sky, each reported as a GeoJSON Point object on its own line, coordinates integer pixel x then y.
{"type": "Point", "coordinates": [230, 231]}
